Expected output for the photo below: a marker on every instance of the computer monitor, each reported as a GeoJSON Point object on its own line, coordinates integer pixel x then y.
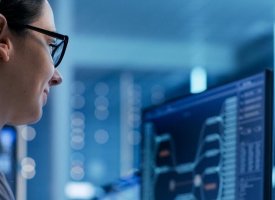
{"type": "Point", "coordinates": [215, 145]}
{"type": "Point", "coordinates": [8, 135]}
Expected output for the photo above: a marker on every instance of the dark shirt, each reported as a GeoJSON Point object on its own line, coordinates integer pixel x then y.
{"type": "Point", "coordinates": [5, 190]}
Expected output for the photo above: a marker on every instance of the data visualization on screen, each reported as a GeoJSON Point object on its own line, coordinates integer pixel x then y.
{"type": "Point", "coordinates": [210, 146]}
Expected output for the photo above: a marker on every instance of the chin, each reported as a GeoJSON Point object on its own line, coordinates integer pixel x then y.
{"type": "Point", "coordinates": [34, 121]}
{"type": "Point", "coordinates": [29, 118]}
{"type": "Point", "coordinates": [24, 122]}
{"type": "Point", "coordinates": [35, 118]}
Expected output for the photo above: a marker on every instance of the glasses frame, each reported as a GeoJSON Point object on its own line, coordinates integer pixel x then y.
{"type": "Point", "coordinates": [64, 39]}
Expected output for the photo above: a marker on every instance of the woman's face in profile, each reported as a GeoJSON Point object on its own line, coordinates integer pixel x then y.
{"type": "Point", "coordinates": [33, 72]}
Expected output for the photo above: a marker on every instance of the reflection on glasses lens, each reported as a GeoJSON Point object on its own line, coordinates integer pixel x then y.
{"type": "Point", "coordinates": [57, 52]}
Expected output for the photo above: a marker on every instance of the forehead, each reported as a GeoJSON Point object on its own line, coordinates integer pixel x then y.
{"type": "Point", "coordinates": [46, 19]}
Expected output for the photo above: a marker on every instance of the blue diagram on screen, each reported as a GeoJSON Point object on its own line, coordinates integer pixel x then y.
{"type": "Point", "coordinates": [208, 146]}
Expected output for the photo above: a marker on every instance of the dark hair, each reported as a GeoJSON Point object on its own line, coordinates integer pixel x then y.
{"type": "Point", "coordinates": [20, 12]}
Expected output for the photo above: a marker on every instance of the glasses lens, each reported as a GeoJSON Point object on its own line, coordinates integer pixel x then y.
{"type": "Point", "coordinates": [57, 52]}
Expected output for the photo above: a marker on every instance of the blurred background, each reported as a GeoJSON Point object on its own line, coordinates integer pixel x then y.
{"type": "Point", "coordinates": [122, 57]}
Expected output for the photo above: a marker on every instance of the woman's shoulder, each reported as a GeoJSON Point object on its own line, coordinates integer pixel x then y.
{"type": "Point", "coordinates": [5, 190]}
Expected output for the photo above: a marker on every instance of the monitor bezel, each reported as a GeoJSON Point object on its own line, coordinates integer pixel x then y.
{"type": "Point", "coordinates": [268, 164]}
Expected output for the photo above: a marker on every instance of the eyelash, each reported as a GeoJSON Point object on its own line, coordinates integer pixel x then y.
{"type": "Point", "coordinates": [52, 46]}
{"type": "Point", "coordinates": [53, 43]}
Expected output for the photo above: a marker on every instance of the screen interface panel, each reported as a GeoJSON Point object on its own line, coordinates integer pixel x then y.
{"type": "Point", "coordinates": [208, 146]}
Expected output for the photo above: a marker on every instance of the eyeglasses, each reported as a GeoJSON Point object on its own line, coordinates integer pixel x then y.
{"type": "Point", "coordinates": [58, 48]}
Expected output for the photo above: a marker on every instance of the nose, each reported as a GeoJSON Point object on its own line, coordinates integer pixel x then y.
{"type": "Point", "coordinates": [56, 79]}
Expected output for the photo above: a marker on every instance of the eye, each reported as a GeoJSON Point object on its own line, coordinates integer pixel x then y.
{"type": "Point", "coordinates": [52, 45]}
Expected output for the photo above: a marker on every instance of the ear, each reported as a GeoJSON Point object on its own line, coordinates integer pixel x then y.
{"type": "Point", "coordinates": [5, 42]}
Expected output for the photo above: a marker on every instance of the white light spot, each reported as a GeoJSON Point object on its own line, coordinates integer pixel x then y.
{"type": "Point", "coordinates": [77, 139]}
{"type": "Point", "coordinates": [28, 133]}
{"type": "Point", "coordinates": [77, 142]}
{"type": "Point", "coordinates": [28, 175]}
{"type": "Point", "coordinates": [101, 103]}
{"type": "Point", "coordinates": [172, 185]}
{"type": "Point", "coordinates": [197, 180]}
{"type": "Point", "coordinates": [198, 80]}
{"type": "Point", "coordinates": [28, 161]}
{"type": "Point", "coordinates": [77, 146]}
{"type": "Point", "coordinates": [101, 136]}
{"type": "Point", "coordinates": [77, 173]}
{"type": "Point", "coordinates": [77, 122]}
{"type": "Point", "coordinates": [273, 177]}
{"type": "Point", "coordinates": [28, 168]}
{"type": "Point", "coordinates": [79, 190]}
{"type": "Point", "coordinates": [101, 89]}
{"type": "Point", "coordinates": [77, 132]}
{"type": "Point", "coordinates": [78, 115]}
{"type": "Point", "coordinates": [101, 114]}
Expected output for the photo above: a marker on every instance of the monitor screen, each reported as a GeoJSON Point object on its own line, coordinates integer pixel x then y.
{"type": "Point", "coordinates": [215, 145]}
{"type": "Point", "coordinates": [8, 155]}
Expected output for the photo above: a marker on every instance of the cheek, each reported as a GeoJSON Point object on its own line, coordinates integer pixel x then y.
{"type": "Point", "coordinates": [37, 51]}
{"type": "Point", "coordinates": [34, 60]}
{"type": "Point", "coordinates": [43, 57]}
{"type": "Point", "coordinates": [42, 62]}
{"type": "Point", "coordinates": [38, 75]}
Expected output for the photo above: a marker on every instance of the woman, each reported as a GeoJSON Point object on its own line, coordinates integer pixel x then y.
{"type": "Point", "coordinates": [30, 51]}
